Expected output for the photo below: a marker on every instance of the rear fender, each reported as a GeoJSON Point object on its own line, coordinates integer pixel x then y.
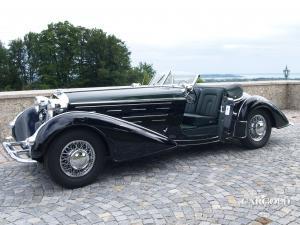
{"type": "Point", "coordinates": [124, 140]}
{"type": "Point", "coordinates": [278, 119]}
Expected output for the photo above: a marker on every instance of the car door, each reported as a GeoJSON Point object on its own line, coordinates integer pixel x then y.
{"type": "Point", "coordinates": [225, 117]}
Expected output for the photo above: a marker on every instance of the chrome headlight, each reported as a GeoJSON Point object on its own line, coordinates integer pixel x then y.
{"type": "Point", "coordinates": [58, 103]}
{"type": "Point", "coordinates": [49, 107]}
{"type": "Point", "coordinates": [40, 102]}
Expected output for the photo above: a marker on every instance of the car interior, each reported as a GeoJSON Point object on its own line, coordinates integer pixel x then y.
{"type": "Point", "coordinates": [202, 111]}
{"type": "Point", "coordinates": [203, 107]}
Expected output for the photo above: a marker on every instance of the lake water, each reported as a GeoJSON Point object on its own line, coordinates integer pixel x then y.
{"type": "Point", "coordinates": [248, 77]}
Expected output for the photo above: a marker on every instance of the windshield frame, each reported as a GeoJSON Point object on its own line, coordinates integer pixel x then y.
{"type": "Point", "coordinates": [161, 80]}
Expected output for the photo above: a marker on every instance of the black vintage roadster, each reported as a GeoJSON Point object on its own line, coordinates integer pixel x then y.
{"type": "Point", "coordinates": [74, 132]}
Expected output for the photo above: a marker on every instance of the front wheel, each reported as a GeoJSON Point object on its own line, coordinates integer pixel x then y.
{"type": "Point", "coordinates": [259, 129]}
{"type": "Point", "coordinates": [75, 158]}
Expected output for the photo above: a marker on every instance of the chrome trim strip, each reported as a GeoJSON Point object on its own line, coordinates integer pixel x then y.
{"type": "Point", "coordinates": [142, 109]}
{"type": "Point", "coordinates": [241, 108]}
{"type": "Point", "coordinates": [128, 117]}
{"type": "Point", "coordinates": [238, 99]}
{"type": "Point", "coordinates": [114, 110]}
{"type": "Point", "coordinates": [120, 105]}
{"type": "Point", "coordinates": [245, 95]}
{"type": "Point", "coordinates": [163, 108]}
{"type": "Point", "coordinates": [130, 101]}
{"type": "Point", "coordinates": [137, 121]}
{"type": "Point", "coordinates": [163, 120]}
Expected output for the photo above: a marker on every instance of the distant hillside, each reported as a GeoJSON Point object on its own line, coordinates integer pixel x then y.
{"type": "Point", "coordinates": [247, 77]}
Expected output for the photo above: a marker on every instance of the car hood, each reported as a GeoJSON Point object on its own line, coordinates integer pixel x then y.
{"type": "Point", "coordinates": [94, 95]}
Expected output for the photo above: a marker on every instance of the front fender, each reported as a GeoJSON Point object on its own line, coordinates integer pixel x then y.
{"type": "Point", "coordinates": [24, 125]}
{"type": "Point", "coordinates": [278, 119]}
{"type": "Point", "coordinates": [124, 140]}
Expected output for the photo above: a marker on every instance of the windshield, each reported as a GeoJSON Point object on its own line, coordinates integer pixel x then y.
{"type": "Point", "coordinates": [157, 79]}
{"type": "Point", "coordinates": [174, 79]}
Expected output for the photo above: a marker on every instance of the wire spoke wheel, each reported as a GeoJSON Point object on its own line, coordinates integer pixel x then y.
{"type": "Point", "coordinates": [77, 158]}
{"type": "Point", "coordinates": [257, 127]}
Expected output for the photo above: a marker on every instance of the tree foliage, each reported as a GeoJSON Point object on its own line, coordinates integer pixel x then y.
{"type": "Point", "coordinates": [4, 68]}
{"type": "Point", "coordinates": [64, 56]}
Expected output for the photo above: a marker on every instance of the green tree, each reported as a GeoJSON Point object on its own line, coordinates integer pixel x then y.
{"type": "Point", "coordinates": [101, 55]}
{"type": "Point", "coordinates": [17, 65]}
{"type": "Point", "coordinates": [64, 55]}
{"type": "Point", "coordinates": [4, 68]}
{"type": "Point", "coordinates": [32, 58]}
{"type": "Point", "coordinates": [142, 73]}
{"type": "Point", "coordinates": [57, 52]}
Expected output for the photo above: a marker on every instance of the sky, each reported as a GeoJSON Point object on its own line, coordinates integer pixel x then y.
{"type": "Point", "coordinates": [190, 36]}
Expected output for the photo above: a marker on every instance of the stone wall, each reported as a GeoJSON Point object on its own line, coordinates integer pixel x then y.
{"type": "Point", "coordinates": [285, 94]}
{"type": "Point", "coordinates": [293, 96]}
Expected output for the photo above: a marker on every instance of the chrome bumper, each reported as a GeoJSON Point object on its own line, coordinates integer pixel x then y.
{"type": "Point", "coordinates": [20, 151]}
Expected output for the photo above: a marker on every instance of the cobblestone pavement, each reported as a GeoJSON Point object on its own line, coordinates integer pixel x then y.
{"type": "Point", "coordinates": [212, 184]}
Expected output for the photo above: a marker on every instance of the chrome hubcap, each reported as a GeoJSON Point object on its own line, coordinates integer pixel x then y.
{"type": "Point", "coordinates": [77, 158]}
{"type": "Point", "coordinates": [257, 127]}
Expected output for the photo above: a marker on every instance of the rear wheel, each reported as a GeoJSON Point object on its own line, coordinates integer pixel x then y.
{"type": "Point", "coordinates": [259, 129]}
{"type": "Point", "coordinates": [75, 158]}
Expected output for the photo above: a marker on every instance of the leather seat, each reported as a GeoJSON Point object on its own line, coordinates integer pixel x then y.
{"type": "Point", "coordinates": [206, 110]}
{"type": "Point", "coordinates": [191, 106]}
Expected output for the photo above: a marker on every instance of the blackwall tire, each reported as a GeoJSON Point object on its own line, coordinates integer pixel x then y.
{"type": "Point", "coordinates": [257, 136]}
{"type": "Point", "coordinates": [75, 158]}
